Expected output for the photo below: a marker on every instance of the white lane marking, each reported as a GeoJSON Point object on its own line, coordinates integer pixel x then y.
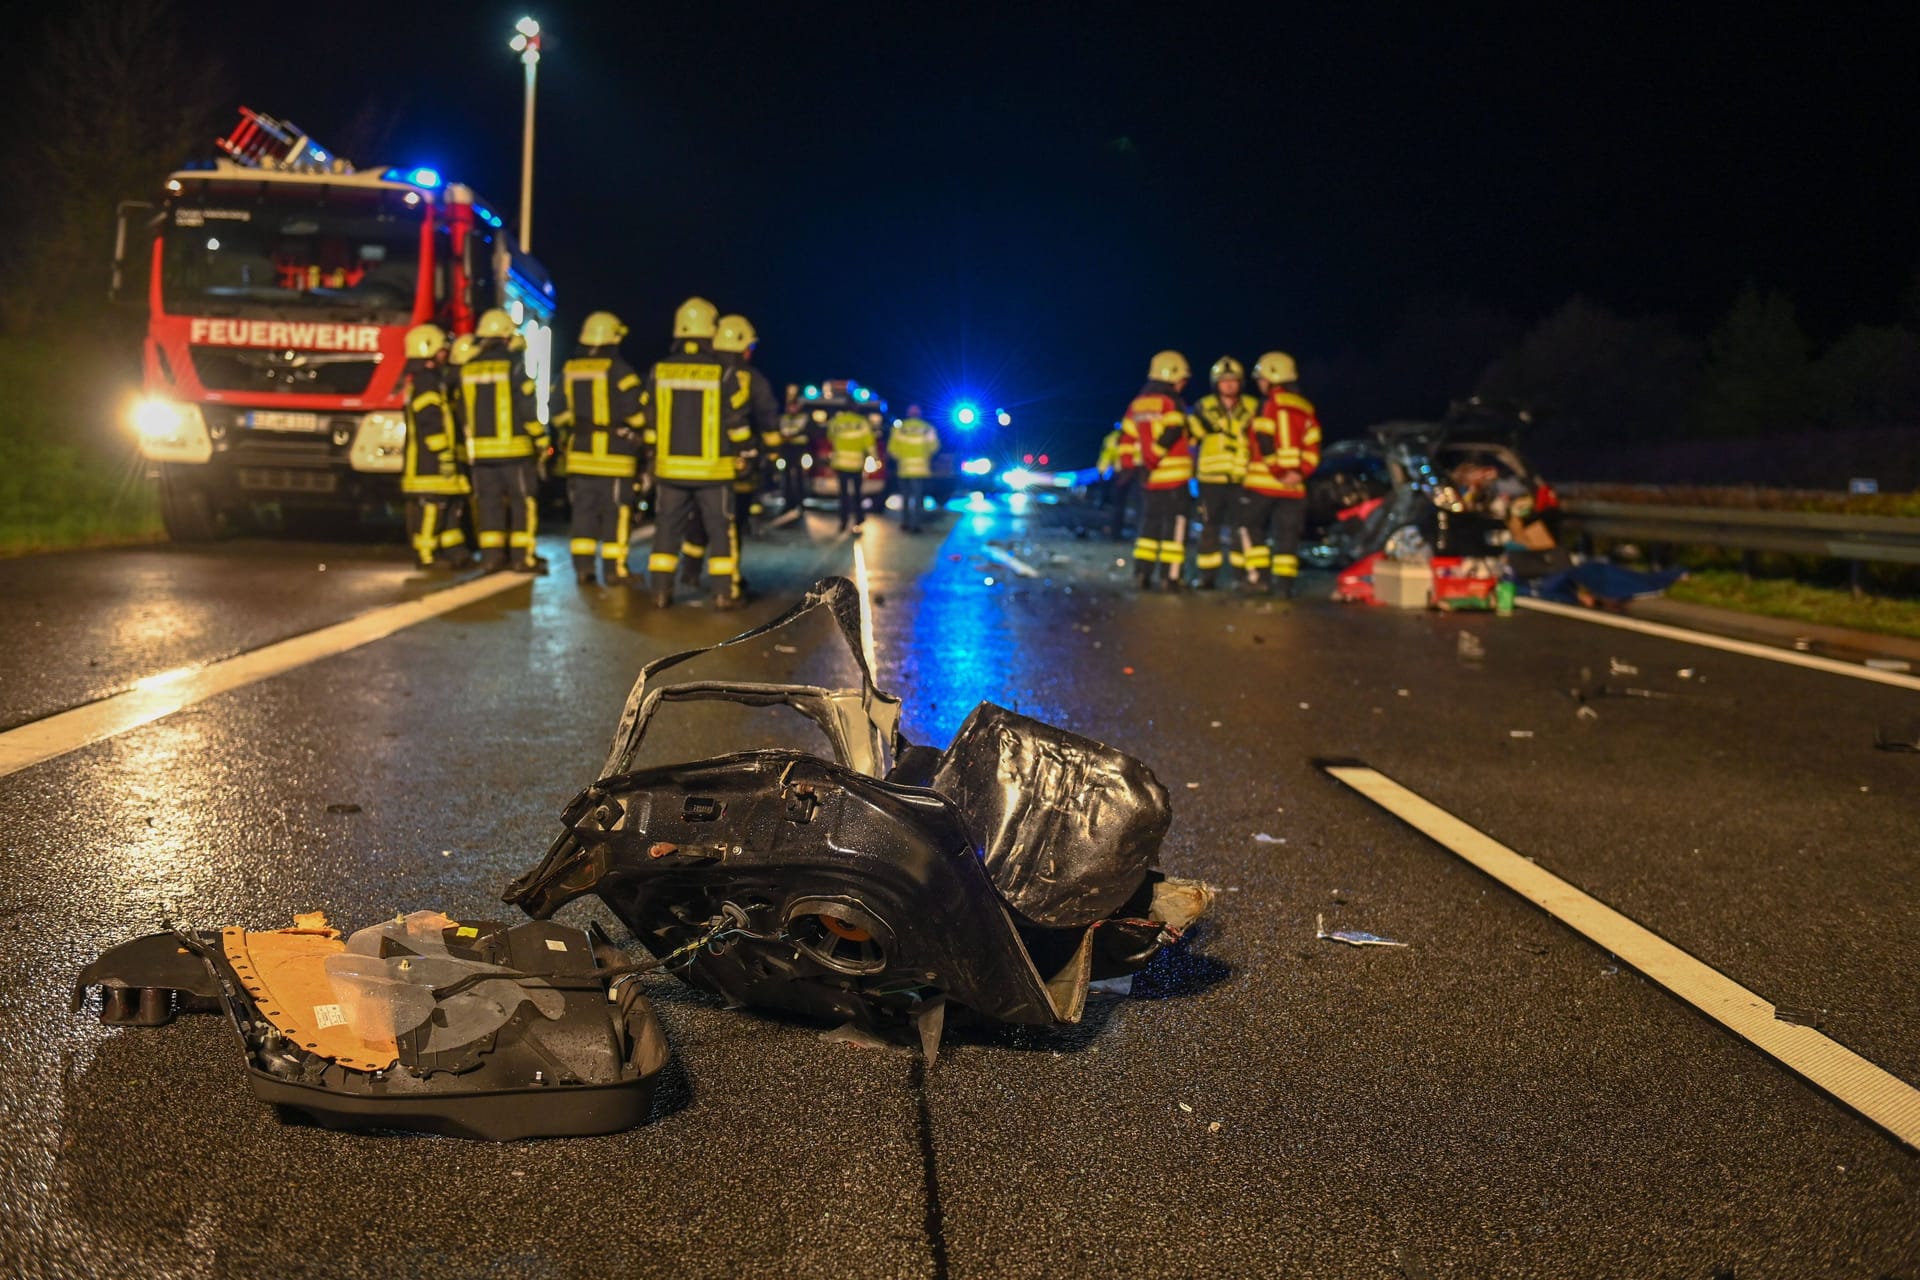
{"type": "Point", "coordinates": [866, 610]}
{"type": "Point", "coordinates": [1012, 562]}
{"type": "Point", "coordinates": [1812, 661]}
{"type": "Point", "coordinates": [161, 695]}
{"type": "Point", "coordinates": [1875, 1093]}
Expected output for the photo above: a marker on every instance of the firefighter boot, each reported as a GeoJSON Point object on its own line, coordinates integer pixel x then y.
{"type": "Point", "coordinates": [725, 598]}
{"type": "Point", "coordinates": [1283, 585]}
{"type": "Point", "coordinates": [585, 570]}
{"type": "Point", "coordinates": [1143, 574]}
{"type": "Point", "coordinates": [1173, 579]}
{"type": "Point", "coordinates": [662, 590]}
{"type": "Point", "coordinates": [493, 560]}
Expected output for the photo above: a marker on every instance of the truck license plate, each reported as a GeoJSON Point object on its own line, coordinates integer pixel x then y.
{"type": "Point", "coordinates": [275, 420]}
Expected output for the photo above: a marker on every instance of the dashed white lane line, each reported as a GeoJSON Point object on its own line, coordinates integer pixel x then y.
{"type": "Point", "coordinates": [1013, 562]}
{"type": "Point", "coordinates": [864, 585]}
{"type": "Point", "coordinates": [1792, 657]}
{"type": "Point", "coordinates": [1875, 1093]}
{"type": "Point", "coordinates": [161, 695]}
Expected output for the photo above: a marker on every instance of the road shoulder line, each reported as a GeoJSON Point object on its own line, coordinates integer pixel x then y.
{"type": "Point", "coordinates": [158, 696]}
{"type": "Point", "coordinates": [1728, 644]}
{"type": "Point", "coordinates": [1875, 1093]}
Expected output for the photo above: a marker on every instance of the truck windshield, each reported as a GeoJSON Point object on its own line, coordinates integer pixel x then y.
{"type": "Point", "coordinates": [298, 249]}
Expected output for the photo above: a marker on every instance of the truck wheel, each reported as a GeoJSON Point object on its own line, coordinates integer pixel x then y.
{"type": "Point", "coordinates": [187, 512]}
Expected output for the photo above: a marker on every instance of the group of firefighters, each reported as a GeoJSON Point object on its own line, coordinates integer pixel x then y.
{"type": "Point", "coordinates": [695, 426]}
{"type": "Point", "coordinates": [1250, 456]}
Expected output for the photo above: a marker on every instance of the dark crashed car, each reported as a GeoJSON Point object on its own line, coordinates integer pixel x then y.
{"type": "Point", "coordinates": [1401, 488]}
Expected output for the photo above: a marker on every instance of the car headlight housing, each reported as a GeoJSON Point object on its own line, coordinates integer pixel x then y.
{"type": "Point", "coordinates": [169, 431]}
{"type": "Point", "coordinates": [380, 444]}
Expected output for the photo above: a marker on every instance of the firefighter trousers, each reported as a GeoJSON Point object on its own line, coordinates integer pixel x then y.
{"type": "Point", "coordinates": [506, 513]}
{"type": "Point", "coordinates": [1263, 519]}
{"type": "Point", "coordinates": [676, 506]}
{"type": "Point", "coordinates": [602, 517]}
{"type": "Point", "coordinates": [1125, 485]}
{"type": "Point", "coordinates": [1163, 528]}
{"type": "Point", "coordinates": [433, 527]}
{"type": "Point", "coordinates": [852, 507]}
{"type": "Point", "coordinates": [913, 497]}
{"type": "Point", "coordinates": [1219, 505]}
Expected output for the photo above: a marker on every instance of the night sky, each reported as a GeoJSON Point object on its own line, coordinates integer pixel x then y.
{"type": "Point", "coordinates": [1023, 202]}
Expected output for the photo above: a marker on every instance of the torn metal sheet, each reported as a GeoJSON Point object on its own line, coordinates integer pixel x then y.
{"type": "Point", "coordinates": [473, 1029]}
{"type": "Point", "coordinates": [882, 884]}
{"type": "Point", "coordinates": [1352, 937]}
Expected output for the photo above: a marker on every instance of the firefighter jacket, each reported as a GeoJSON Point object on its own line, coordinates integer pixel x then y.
{"type": "Point", "coordinates": [911, 448]}
{"type": "Point", "coordinates": [693, 413]}
{"type": "Point", "coordinates": [496, 396]}
{"type": "Point", "coordinates": [1156, 422]}
{"type": "Point", "coordinates": [602, 414]}
{"type": "Point", "coordinates": [1221, 429]}
{"type": "Point", "coordinates": [432, 463]}
{"type": "Point", "coordinates": [794, 428]}
{"type": "Point", "coordinates": [1109, 453]}
{"type": "Point", "coordinates": [763, 415]}
{"type": "Point", "coordinates": [851, 436]}
{"type": "Point", "coordinates": [1284, 438]}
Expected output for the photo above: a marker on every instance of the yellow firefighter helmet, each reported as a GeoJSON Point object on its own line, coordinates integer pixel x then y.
{"type": "Point", "coordinates": [1169, 366]}
{"type": "Point", "coordinates": [495, 323]}
{"type": "Point", "coordinates": [464, 345]}
{"type": "Point", "coordinates": [602, 329]}
{"type": "Point", "coordinates": [735, 334]}
{"type": "Point", "coordinates": [1276, 366]}
{"type": "Point", "coordinates": [695, 319]}
{"type": "Point", "coordinates": [1227, 367]}
{"type": "Point", "coordinates": [425, 341]}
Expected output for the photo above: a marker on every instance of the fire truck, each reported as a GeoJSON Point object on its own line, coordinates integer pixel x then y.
{"type": "Point", "coordinates": [282, 283]}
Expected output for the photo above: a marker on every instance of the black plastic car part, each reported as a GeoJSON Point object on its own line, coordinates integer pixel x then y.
{"type": "Point", "coordinates": [1003, 875]}
{"type": "Point", "coordinates": [484, 1030]}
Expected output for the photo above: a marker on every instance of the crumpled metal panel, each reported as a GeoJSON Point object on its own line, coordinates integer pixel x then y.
{"type": "Point", "coordinates": [1068, 827]}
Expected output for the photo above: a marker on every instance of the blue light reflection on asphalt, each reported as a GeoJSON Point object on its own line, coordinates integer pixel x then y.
{"type": "Point", "coordinates": [971, 642]}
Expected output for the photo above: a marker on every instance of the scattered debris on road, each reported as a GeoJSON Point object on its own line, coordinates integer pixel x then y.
{"type": "Point", "coordinates": [472, 1029]}
{"type": "Point", "coordinates": [1261, 837]}
{"type": "Point", "coordinates": [1615, 667]}
{"type": "Point", "coordinates": [343, 807]}
{"type": "Point", "coordinates": [1352, 937]}
{"type": "Point", "coordinates": [1519, 733]}
{"type": "Point", "coordinates": [1469, 648]}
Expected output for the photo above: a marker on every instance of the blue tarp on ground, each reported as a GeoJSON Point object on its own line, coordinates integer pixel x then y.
{"type": "Point", "coordinates": [1601, 581]}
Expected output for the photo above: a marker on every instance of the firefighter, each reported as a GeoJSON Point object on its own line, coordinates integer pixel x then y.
{"type": "Point", "coordinates": [851, 436]}
{"type": "Point", "coordinates": [506, 441]}
{"type": "Point", "coordinates": [431, 476]}
{"type": "Point", "coordinates": [1283, 448]}
{"type": "Point", "coordinates": [795, 450]}
{"type": "Point", "coordinates": [1220, 422]}
{"type": "Point", "coordinates": [1156, 421]}
{"type": "Point", "coordinates": [1126, 478]}
{"type": "Point", "coordinates": [694, 418]}
{"type": "Point", "coordinates": [603, 449]}
{"type": "Point", "coordinates": [737, 339]}
{"type": "Point", "coordinates": [910, 450]}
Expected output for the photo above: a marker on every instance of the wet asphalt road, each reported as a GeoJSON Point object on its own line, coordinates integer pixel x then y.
{"type": "Point", "coordinates": [1497, 1099]}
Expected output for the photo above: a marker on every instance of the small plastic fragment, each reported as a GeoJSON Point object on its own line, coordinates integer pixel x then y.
{"type": "Point", "coordinates": [1615, 667]}
{"type": "Point", "coordinates": [1587, 713]}
{"type": "Point", "coordinates": [1187, 1107]}
{"type": "Point", "coordinates": [1214, 1126]}
{"type": "Point", "coordinates": [1126, 671]}
{"type": "Point", "coordinates": [1519, 733]}
{"type": "Point", "coordinates": [1193, 786]}
{"type": "Point", "coordinates": [1685, 673]}
{"type": "Point", "coordinates": [1469, 647]}
{"type": "Point", "coordinates": [1352, 937]}
{"type": "Point", "coordinates": [785, 648]}
{"type": "Point", "coordinates": [1261, 837]}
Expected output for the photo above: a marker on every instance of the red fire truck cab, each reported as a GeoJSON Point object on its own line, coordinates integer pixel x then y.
{"type": "Point", "coordinates": [283, 283]}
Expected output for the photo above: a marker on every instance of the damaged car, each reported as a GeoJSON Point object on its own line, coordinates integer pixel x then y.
{"type": "Point", "coordinates": [871, 883]}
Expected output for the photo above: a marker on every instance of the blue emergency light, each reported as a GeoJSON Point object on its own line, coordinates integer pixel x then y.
{"type": "Point", "coordinates": [965, 415]}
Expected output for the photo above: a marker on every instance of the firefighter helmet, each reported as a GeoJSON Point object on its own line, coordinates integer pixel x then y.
{"type": "Point", "coordinates": [1276, 366]}
{"type": "Point", "coordinates": [602, 329]}
{"type": "Point", "coordinates": [695, 319]}
{"type": "Point", "coordinates": [735, 334]}
{"type": "Point", "coordinates": [1226, 367]}
{"type": "Point", "coordinates": [463, 348]}
{"type": "Point", "coordinates": [494, 323]}
{"type": "Point", "coordinates": [1169, 366]}
{"type": "Point", "coordinates": [425, 341]}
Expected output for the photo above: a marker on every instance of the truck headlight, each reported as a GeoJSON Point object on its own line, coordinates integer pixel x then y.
{"type": "Point", "coordinates": [169, 431]}
{"type": "Point", "coordinates": [380, 444]}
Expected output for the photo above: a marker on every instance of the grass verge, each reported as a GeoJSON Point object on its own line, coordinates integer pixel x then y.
{"type": "Point", "coordinates": [1801, 602]}
{"type": "Point", "coordinates": [68, 476]}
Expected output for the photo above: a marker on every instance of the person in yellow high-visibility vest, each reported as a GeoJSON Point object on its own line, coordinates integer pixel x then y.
{"type": "Point", "coordinates": [506, 441]}
{"type": "Point", "coordinates": [850, 436]}
{"type": "Point", "coordinates": [603, 449]}
{"type": "Point", "coordinates": [1221, 420]}
{"type": "Point", "coordinates": [910, 450]}
{"type": "Point", "coordinates": [431, 474]}
{"type": "Point", "coordinates": [1283, 450]}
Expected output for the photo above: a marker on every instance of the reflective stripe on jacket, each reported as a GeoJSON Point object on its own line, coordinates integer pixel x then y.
{"type": "Point", "coordinates": [911, 448]}
{"type": "Point", "coordinates": [694, 414]}
{"type": "Point", "coordinates": [1285, 437]}
{"type": "Point", "coordinates": [1157, 423]}
{"type": "Point", "coordinates": [432, 461]}
{"type": "Point", "coordinates": [502, 422]}
{"type": "Point", "coordinates": [1221, 430]}
{"type": "Point", "coordinates": [851, 436]}
{"type": "Point", "coordinates": [603, 410]}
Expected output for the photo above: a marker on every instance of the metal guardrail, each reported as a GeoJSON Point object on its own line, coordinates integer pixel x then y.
{"type": "Point", "coordinates": [1884, 539]}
